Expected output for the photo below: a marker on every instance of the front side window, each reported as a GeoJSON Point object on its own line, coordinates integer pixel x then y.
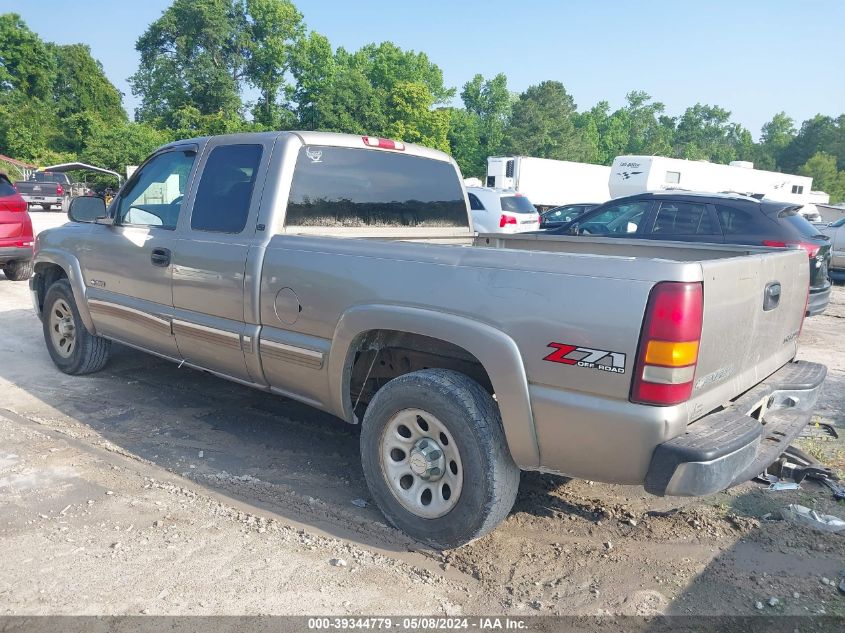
{"type": "Point", "coordinates": [618, 219]}
{"type": "Point", "coordinates": [341, 187]}
{"type": "Point", "coordinates": [683, 218]}
{"type": "Point", "coordinates": [154, 196]}
{"type": "Point", "coordinates": [225, 189]}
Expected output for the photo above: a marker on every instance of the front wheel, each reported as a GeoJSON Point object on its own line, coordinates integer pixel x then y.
{"type": "Point", "coordinates": [74, 349]}
{"type": "Point", "coordinates": [18, 270]}
{"type": "Point", "coordinates": [436, 459]}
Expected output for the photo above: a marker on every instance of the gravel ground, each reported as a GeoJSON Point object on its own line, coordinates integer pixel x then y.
{"type": "Point", "coordinates": [151, 489]}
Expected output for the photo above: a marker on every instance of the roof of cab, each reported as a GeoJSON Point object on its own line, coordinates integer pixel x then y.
{"type": "Point", "coordinates": [332, 139]}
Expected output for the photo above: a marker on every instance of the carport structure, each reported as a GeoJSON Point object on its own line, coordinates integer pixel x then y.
{"type": "Point", "coordinates": [65, 167]}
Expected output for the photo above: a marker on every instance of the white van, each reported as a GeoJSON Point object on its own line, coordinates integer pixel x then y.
{"type": "Point", "coordinates": [501, 211]}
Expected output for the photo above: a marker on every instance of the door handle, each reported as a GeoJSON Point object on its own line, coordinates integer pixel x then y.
{"type": "Point", "coordinates": [160, 257]}
{"type": "Point", "coordinates": [771, 296]}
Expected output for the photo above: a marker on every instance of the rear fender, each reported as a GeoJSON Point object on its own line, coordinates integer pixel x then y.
{"type": "Point", "coordinates": [497, 352]}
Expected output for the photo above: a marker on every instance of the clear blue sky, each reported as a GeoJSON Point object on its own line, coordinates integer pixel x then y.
{"type": "Point", "coordinates": [751, 57]}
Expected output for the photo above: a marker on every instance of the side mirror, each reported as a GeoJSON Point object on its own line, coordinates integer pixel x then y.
{"type": "Point", "coordinates": [574, 229]}
{"type": "Point", "coordinates": [87, 209]}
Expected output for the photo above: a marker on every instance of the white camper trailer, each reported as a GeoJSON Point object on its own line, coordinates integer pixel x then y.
{"type": "Point", "coordinates": [636, 174]}
{"type": "Point", "coordinates": [549, 183]}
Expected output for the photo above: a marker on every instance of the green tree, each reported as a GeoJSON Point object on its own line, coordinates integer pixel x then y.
{"type": "Point", "coordinates": [313, 68]}
{"type": "Point", "coordinates": [815, 135]}
{"type": "Point", "coordinates": [542, 124]}
{"type": "Point", "coordinates": [821, 167]}
{"type": "Point", "coordinates": [705, 132]}
{"type": "Point", "coordinates": [194, 55]}
{"type": "Point", "coordinates": [385, 65]}
{"type": "Point", "coordinates": [412, 119]}
{"type": "Point", "coordinates": [490, 101]}
{"type": "Point", "coordinates": [114, 146]}
{"type": "Point", "coordinates": [465, 142]}
{"type": "Point", "coordinates": [83, 95]}
{"type": "Point", "coordinates": [26, 65]}
{"type": "Point", "coordinates": [274, 29]}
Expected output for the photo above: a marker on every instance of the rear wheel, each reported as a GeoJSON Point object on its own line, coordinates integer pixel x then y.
{"type": "Point", "coordinates": [435, 458]}
{"type": "Point", "coordinates": [18, 270]}
{"type": "Point", "coordinates": [73, 349]}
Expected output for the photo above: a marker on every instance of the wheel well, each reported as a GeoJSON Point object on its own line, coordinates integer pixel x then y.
{"type": "Point", "coordinates": [378, 356]}
{"type": "Point", "coordinates": [46, 275]}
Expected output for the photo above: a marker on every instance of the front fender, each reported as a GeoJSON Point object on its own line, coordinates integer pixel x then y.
{"type": "Point", "coordinates": [497, 352]}
{"type": "Point", "coordinates": [73, 270]}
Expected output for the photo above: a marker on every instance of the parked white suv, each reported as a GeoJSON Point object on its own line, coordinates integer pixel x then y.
{"type": "Point", "coordinates": [501, 211]}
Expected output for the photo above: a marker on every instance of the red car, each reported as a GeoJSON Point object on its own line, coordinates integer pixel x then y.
{"type": "Point", "coordinates": [16, 238]}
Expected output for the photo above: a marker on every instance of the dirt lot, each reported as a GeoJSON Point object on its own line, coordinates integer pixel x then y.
{"type": "Point", "coordinates": [152, 489]}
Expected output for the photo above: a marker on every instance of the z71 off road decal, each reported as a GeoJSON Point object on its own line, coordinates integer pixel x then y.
{"type": "Point", "coordinates": [600, 359]}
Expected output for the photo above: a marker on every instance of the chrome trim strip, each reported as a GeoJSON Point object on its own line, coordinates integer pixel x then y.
{"type": "Point", "coordinates": [291, 353]}
{"type": "Point", "coordinates": [207, 334]}
{"type": "Point", "coordinates": [138, 317]}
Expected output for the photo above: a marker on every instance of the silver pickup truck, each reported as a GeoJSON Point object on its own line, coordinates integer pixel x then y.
{"type": "Point", "coordinates": [343, 271]}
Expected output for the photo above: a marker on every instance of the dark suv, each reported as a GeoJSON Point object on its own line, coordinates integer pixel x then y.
{"type": "Point", "coordinates": [716, 218]}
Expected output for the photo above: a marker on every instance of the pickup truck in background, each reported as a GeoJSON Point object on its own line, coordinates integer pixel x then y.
{"type": "Point", "coordinates": [46, 189]}
{"type": "Point", "coordinates": [344, 272]}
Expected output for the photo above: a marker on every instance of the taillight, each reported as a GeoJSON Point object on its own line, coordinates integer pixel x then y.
{"type": "Point", "coordinates": [506, 219]}
{"type": "Point", "coordinates": [804, 314]}
{"type": "Point", "coordinates": [812, 249]}
{"type": "Point", "coordinates": [383, 143]}
{"type": "Point", "coordinates": [59, 189]}
{"type": "Point", "coordinates": [668, 352]}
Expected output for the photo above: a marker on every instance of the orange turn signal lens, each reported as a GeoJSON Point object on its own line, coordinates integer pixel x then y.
{"type": "Point", "coordinates": [671, 354]}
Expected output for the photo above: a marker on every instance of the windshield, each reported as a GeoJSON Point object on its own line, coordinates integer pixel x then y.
{"type": "Point", "coordinates": [517, 204]}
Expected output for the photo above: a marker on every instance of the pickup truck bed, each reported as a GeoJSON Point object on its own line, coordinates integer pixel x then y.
{"type": "Point", "coordinates": [355, 283]}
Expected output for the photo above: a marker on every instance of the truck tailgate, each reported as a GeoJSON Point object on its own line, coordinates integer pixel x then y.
{"type": "Point", "coordinates": [745, 337]}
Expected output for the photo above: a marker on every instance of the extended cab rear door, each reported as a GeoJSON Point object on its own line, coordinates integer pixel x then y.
{"type": "Point", "coordinates": [210, 256]}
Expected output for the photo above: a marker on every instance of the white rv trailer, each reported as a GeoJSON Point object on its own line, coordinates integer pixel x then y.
{"type": "Point", "coordinates": [549, 183]}
{"type": "Point", "coordinates": [636, 174]}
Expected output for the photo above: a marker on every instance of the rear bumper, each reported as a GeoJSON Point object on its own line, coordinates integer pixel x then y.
{"type": "Point", "coordinates": [819, 298]}
{"type": "Point", "coordinates": [730, 447]}
{"type": "Point", "coordinates": [14, 253]}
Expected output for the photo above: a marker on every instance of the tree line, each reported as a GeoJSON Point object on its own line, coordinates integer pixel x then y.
{"type": "Point", "coordinates": [221, 66]}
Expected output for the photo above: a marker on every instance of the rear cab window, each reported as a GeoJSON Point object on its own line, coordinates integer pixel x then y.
{"type": "Point", "coordinates": [517, 204]}
{"type": "Point", "coordinates": [347, 188]}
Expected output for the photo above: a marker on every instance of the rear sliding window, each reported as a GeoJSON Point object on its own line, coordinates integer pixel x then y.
{"type": "Point", "coordinates": [517, 204]}
{"type": "Point", "coordinates": [340, 187]}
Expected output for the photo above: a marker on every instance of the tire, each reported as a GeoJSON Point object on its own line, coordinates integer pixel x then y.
{"type": "Point", "coordinates": [465, 421]}
{"type": "Point", "coordinates": [46, 207]}
{"type": "Point", "coordinates": [74, 349]}
{"type": "Point", "coordinates": [18, 270]}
